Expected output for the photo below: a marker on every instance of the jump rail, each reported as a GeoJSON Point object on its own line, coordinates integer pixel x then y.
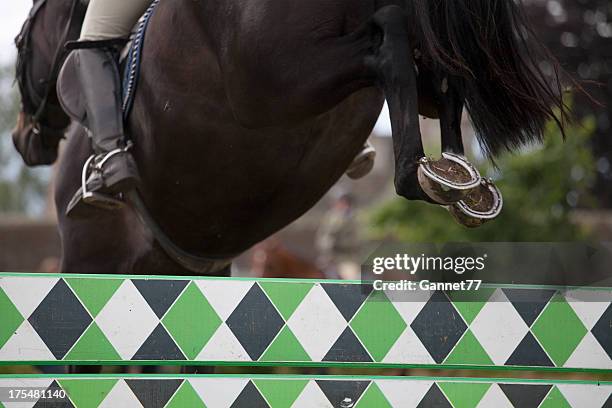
{"type": "Point", "coordinates": [84, 319]}
{"type": "Point", "coordinates": [81, 319]}
{"type": "Point", "coordinates": [137, 320]}
{"type": "Point", "coordinates": [267, 391]}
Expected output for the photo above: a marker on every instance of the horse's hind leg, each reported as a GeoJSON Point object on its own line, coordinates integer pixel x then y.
{"type": "Point", "coordinates": [450, 123]}
{"type": "Point", "coordinates": [394, 64]}
{"type": "Point", "coordinates": [323, 71]}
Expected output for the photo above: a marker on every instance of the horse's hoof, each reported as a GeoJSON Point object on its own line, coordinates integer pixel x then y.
{"type": "Point", "coordinates": [480, 205]}
{"type": "Point", "coordinates": [448, 180]}
{"type": "Point", "coordinates": [363, 163]}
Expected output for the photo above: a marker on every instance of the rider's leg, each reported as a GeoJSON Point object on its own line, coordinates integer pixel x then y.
{"type": "Point", "coordinates": [110, 19]}
{"type": "Point", "coordinates": [98, 74]}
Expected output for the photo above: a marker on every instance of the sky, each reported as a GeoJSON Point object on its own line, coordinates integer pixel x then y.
{"type": "Point", "coordinates": [14, 12]}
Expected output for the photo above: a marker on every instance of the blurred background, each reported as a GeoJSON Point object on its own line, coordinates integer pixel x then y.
{"type": "Point", "coordinates": [561, 191]}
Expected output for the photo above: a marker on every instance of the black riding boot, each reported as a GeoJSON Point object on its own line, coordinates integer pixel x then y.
{"type": "Point", "coordinates": [112, 169]}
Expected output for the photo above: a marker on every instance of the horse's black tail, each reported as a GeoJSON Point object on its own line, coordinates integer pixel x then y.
{"type": "Point", "coordinates": [512, 84]}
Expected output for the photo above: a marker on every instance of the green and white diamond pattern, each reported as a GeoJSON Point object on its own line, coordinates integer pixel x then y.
{"type": "Point", "coordinates": [266, 391]}
{"type": "Point", "coordinates": [77, 318]}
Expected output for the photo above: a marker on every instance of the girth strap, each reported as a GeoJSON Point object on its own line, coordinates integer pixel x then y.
{"type": "Point", "coordinates": [201, 265]}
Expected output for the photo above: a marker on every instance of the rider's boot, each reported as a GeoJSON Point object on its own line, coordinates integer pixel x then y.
{"type": "Point", "coordinates": [112, 169]}
{"type": "Point", "coordinates": [363, 163]}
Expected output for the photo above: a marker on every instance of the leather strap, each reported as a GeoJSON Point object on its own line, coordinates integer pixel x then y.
{"type": "Point", "coordinates": [29, 96]}
{"type": "Point", "coordinates": [83, 45]}
{"type": "Point", "coordinates": [72, 30]}
{"type": "Point", "coordinates": [23, 35]}
{"type": "Point", "coordinates": [34, 103]}
{"type": "Point", "coordinates": [209, 265]}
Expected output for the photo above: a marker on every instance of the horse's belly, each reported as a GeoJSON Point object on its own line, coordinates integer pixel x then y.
{"type": "Point", "coordinates": [306, 176]}
{"type": "Point", "coordinates": [240, 186]}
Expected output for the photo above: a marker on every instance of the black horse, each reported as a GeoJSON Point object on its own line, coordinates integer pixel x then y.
{"type": "Point", "coordinates": [248, 111]}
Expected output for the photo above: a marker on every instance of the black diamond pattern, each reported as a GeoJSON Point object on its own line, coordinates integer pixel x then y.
{"type": "Point", "coordinates": [608, 403]}
{"type": "Point", "coordinates": [529, 303]}
{"type": "Point", "coordinates": [347, 298]}
{"type": "Point", "coordinates": [347, 348]}
{"type": "Point", "coordinates": [160, 294]}
{"type": "Point", "coordinates": [439, 326]}
{"type": "Point", "coordinates": [525, 395]}
{"type": "Point", "coordinates": [434, 398]}
{"type": "Point", "coordinates": [154, 393]}
{"type": "Point", "coordinates": [255, 322]}
{"type": "Point", "coordinates": [159, 346]}
{"type": "Point", "coordinates": [602, 330]}
{"type": "Point", "coordinates": [529, 353]}
{"type": "Point", "coordinates": [250, 398]}
{"type": "Point", "coordinates": [342, 393]}
{"type": "Point", "coordinates": [55, 402]}
{"type": "Point", "coordinates": [60, 319]}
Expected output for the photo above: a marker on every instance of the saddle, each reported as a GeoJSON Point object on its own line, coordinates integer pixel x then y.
{"type": "Point", "coordinates": [69, 93]}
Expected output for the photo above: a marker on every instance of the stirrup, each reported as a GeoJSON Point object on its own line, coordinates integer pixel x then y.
{"type": "Point", "coordinates": [107, 156]}
{"type": "Point", "coordinates": [105, 201]}
{"type": "Point", "coordinates": [101, 200]}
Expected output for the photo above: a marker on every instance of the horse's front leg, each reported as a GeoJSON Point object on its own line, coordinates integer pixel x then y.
{"type": "Point", "coordinates": [393, 62]}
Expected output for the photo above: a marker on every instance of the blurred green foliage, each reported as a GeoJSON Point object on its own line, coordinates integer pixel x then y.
{"type": "Point", "coordinates": [22, 189]}
{"type": "Point", "coordinates": [540, 186]}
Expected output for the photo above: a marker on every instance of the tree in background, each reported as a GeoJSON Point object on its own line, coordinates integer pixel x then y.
{"type": "Point", "coordinates": [540, 188]}
{"type": "Point", "coordinates": [579, 33]}
{"type": "Point", "coordinates": [22, 189]}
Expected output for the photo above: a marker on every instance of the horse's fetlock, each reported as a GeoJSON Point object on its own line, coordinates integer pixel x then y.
{"type": "Point", "coordinates": [407, 185]}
